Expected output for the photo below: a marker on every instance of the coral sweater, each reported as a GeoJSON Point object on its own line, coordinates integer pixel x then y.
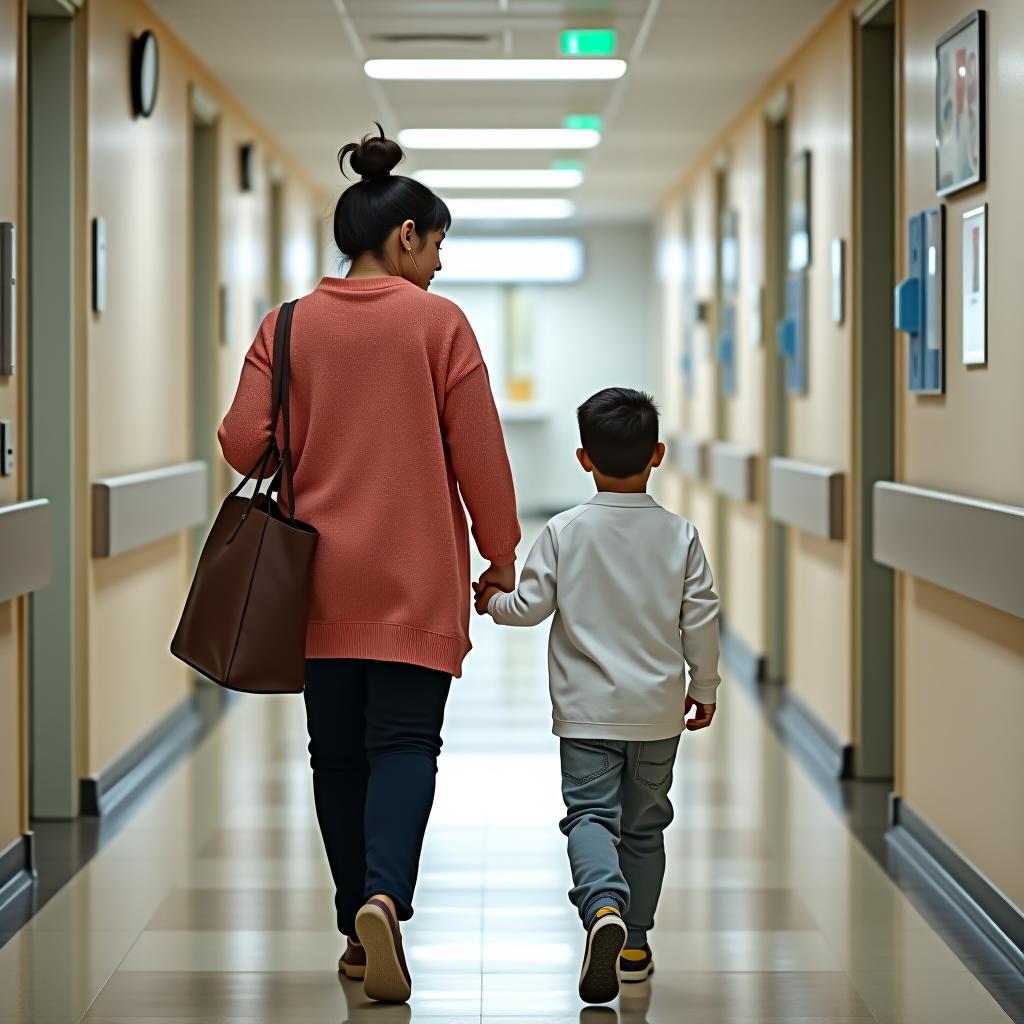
{"type": "Point", "coordinates": [392, 418]}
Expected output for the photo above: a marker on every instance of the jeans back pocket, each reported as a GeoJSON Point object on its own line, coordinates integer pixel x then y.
{"type": "Point", "coordinates": [584, 760]}
{"type": "Point", "coordinates": [655, 761]}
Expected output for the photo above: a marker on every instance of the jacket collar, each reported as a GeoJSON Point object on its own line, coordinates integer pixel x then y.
{"type": "Point", "coordinates": [623, 500]}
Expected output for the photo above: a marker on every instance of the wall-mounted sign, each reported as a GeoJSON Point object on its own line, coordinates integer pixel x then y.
{"type": "Point", "coordinates": [838, 280]}
{"type": "Point", "coordinates": [975, 275]}
{"type": "Point", "coordinates": [920, 302]}
{"type": "Point", "coordinates": [99, 264]}
{"type": "Point", "coordinates": [247, 166]}
{"type": "Point", "coordinates": [960, 106]}
{"type": "Point", "coordinates": [798, 210]}
{"type": "Point", "coordinates": [145, 73]}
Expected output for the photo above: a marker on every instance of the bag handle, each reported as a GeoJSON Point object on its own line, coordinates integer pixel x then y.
{"type": "Point", "coordinates": [280, 411]}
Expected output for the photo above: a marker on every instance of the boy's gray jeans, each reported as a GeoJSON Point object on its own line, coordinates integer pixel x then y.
{"type": "Point", "coordinates": [617, 809]}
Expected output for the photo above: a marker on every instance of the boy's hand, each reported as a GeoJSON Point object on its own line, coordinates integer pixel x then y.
{"type": "Point", "coordinates": [483, 597]}
{"type": "Point", "coordinates": [701, 720]}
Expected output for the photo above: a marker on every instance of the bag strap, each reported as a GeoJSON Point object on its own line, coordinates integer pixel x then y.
{"type": "Point", "coordinates": [279, 410]}
{"type": "Point", "coordinates": [281, 404]}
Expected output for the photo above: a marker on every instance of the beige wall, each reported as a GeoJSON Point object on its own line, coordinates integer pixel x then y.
{"type": "Point", "coordinates": [12, 682]}
{"type": "Point", "coordinates": [819, 613]}
{"type": "Point", "coordinates": [139, 349]}
{"type": "Point", "coordinates": [962, 662]}
{"type": "Point", "coordinates": [819, 81]}
{"type": "Point", "coordinates": [744, 412]}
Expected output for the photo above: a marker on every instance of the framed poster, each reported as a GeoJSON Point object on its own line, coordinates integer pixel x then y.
{"type": "Point", "coordinates": [730, 253]}
{"type": "Point", "coordinates": [798, 210]}
{"type": "Point", "coordinates": [975, 275]}
{"type": "Point", "coordinates": [960, 106]}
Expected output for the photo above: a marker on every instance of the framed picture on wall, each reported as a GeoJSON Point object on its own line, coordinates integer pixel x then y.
{"type": "Point", "coordinates": [960, 106]}
{"type": "Point", "coordinates": [798, 210]}
{"type": "Point", "coordinates": [975, 273]}
{"type": "Point", "coordinates": [730, 252]}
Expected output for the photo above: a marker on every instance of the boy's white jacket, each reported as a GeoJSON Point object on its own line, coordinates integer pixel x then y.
{"type": "Point", "coordinates": [633, 598]}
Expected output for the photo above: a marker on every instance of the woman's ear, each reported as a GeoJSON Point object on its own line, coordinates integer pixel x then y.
{"type": "Point", "coordinates": [406, 233]}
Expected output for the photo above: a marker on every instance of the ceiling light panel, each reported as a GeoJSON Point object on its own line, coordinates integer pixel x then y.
{"type": "Point", "coordinates": [495, 70]}
{"type": "Point", "coordinates": [563, 177]}
{"type": "Point", "coordinates": [499, 138]}
{"type": "Point", "coordinates": [510, 209]}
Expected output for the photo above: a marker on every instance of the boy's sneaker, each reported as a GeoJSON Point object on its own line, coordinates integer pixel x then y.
{"type": "Point", "coordinates": [353, 961]}
{"type": "Point", "coordinates": [636, 964]}
{"type": "Point", "coordinates": [599, 979]}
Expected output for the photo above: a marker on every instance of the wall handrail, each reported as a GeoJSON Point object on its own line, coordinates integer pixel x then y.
{"type": "Point", "coordinates": [733, 469]}
{"type": "Point", "coordinates": [26, 541]}
{"type": "Point", "coordinates": [689, 454]}
{"type": "Point", "coordinates": [806, 495]}
{"type": "Point", "coordinates": [139, 508]}
{"type": "Point", "coordinates": [970, 546]}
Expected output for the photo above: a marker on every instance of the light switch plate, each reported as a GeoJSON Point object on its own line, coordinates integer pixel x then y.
{"type": "Point", "coordinates": [6, 447]}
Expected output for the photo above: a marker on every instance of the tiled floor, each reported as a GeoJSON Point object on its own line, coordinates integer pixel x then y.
{"type": "Point", "coordinates": [213, 903]}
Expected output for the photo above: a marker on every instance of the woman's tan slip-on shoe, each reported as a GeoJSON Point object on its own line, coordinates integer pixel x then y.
{"type": "Point", "coordinates": [387, 977]}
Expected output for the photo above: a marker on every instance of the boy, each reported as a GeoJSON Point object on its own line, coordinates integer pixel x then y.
{"type": "Point", "coordinates": [632, 597]}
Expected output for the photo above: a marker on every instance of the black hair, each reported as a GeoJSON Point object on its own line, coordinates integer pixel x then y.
{"type": "Point", "coordinates": [619, 430]}
{"type": "Point", "coordinates": [373, 207]}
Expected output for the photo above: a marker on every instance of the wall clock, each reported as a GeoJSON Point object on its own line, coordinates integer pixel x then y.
{"type": "Point", "coordinates": [145, 73]}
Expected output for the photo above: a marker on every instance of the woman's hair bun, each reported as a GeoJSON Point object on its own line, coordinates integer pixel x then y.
{"type": "Point", "coordinates": [375, 157]}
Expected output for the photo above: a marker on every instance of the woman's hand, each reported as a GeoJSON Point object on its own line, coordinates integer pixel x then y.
{"type": "Point", "coordinates": [501, 576]}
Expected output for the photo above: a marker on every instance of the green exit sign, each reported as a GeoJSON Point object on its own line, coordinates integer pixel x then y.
{"type": "Point", "coordinates": [588, 42]}
{"type": "Point", "coordinates": [584, 121]}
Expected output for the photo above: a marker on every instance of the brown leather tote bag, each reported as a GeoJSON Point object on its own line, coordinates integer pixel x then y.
{"type": "Point", "coordinates": [244, 623]}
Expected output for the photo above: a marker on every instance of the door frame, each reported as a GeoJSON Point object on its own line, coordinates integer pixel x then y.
{"type": "Point", "coordinates": [56, 403]}
{"type": "Point", "coordinates": [776, 403]}
{"type": "Point", "coordinates": [876, 238]}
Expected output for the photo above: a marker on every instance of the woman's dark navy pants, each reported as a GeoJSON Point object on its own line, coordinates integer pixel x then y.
{"type": "Point", "coordinates": [375, 735]}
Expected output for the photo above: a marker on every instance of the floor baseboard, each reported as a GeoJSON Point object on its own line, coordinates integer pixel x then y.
{"type": "Point", "coordinates": [17, 869]}
{"type": "Point", "coordinates": [745, 664]}
{"type": "Point", "coordinates": [957, 880]}
{"type": "Point", "coordinates": [814, 741]}
{"type": "Point", "coordinates": [119, 781]}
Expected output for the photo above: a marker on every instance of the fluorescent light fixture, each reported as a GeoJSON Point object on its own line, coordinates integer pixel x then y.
{"type": "Point", "coordinates": [510, 209]}
{"type": "Point", "coordinates": [495, 70]}
{"type": "Point", "coordinates": [565, 177]}
{"type": "Point", "coordinates": [491, 260]}
{"type": "Point", "coordinates": [588, 42]}
{"type": "Point", "coordinates": [499, 138]}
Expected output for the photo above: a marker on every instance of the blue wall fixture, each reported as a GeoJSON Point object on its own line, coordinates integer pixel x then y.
{"type": "Point", "coordinates": [727, 349]}
{"type": "Point", "coordinates": [919, 301]}
{"type": "Point", "coordinates": [791, 333]}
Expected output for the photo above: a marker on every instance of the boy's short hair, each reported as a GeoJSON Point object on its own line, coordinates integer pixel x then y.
{"type": "Point", "coordinates": [619, 430]}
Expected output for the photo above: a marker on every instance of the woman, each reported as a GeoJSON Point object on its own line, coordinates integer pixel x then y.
{"type": "Point", "coordinates": [392, 419]}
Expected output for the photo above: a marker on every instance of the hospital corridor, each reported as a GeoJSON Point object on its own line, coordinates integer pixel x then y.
{"type": "Point", "coordinates": [511, 512]}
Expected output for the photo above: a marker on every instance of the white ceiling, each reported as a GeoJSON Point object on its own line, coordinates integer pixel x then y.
{"type": "Point", "coordinates": [297, 65]}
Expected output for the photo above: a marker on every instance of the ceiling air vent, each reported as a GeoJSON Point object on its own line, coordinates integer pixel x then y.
{"type": "Point", "coordinates": [436, 40]}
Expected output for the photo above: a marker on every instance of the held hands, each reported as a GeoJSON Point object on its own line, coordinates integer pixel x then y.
{"type": "Point", "coordinates": [496, 579]}
{"type": "Point", "coordinates": [483, 598]}
{"type": "Point", "coordinates": [701, 720]}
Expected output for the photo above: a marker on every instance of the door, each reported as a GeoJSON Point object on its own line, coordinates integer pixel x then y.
{"type": "Point", "coordinates": [874, 381]}
{"type": "Point", "coordinates": [205, 294]}
{"type": "Point", "coordinates": [776, 398]}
